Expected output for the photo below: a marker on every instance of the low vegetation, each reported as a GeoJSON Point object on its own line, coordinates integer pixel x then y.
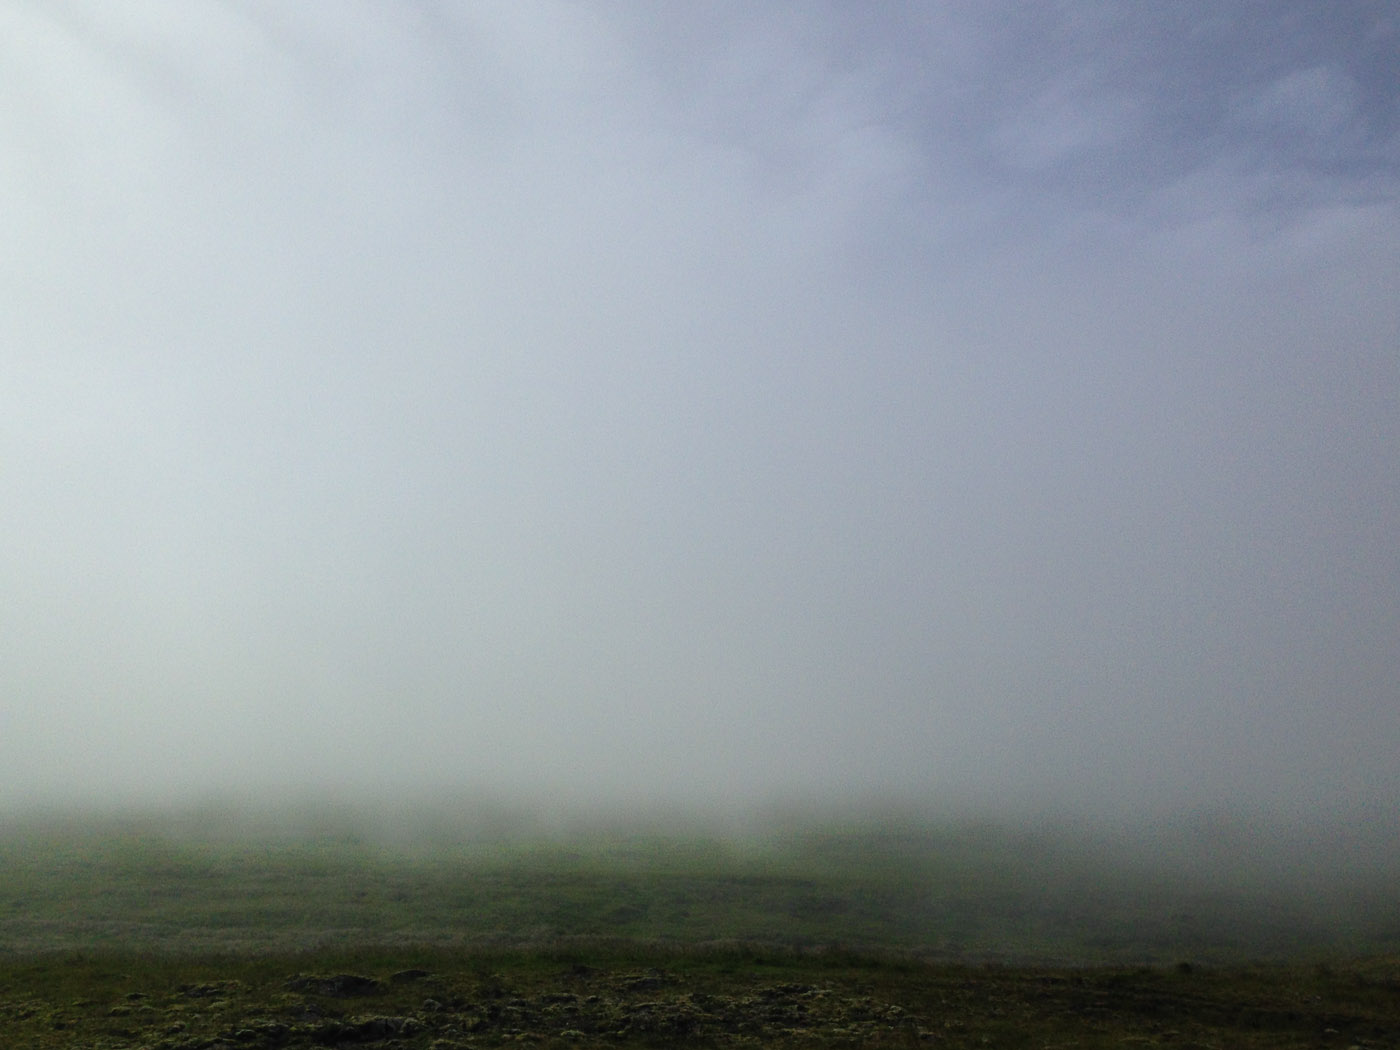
{"type": "Point", "coordinates": [605, 995]}
{"type": "Point", "coordinates": [148, 933]}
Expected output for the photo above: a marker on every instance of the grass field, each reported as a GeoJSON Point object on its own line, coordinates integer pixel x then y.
{"type": "Point", "coordinates": [200, 932]}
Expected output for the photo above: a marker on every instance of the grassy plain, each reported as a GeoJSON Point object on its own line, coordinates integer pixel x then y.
{"type": "Point", "coordinates": [197, 932]}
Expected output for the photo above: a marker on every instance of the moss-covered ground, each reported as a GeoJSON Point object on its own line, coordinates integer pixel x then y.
{"type": "Point", "coordinates": [127, 934]}
{"type": "Point", "coordinates": [608, 996]}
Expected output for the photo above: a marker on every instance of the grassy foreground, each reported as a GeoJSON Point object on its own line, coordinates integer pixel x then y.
{"type": "Point", "coordinates": [609, 996]}
{"type": "Point", "coordinates": [200, 935]}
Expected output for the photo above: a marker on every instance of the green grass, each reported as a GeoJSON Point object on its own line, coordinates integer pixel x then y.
{"type": "Point", "coordinates": [439, 999]}
{"type": "Point", "coordinates": [951, 893]}
{"type": "Point", "coordinates": [207, 935]}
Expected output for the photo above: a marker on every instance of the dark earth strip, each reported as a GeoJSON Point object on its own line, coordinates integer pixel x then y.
{"type": "Point", "coordinates": [739, 998]}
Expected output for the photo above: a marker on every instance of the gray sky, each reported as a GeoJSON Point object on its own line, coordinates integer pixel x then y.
{"type": "Point", "coordinates": [967, 402]}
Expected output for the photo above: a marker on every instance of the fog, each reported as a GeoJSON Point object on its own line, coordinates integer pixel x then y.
{"type": "Point", "coordinates": [618, 407]}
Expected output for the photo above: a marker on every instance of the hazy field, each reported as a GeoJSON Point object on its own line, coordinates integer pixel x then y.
{"type": "Point", "coordinates": [185, 930]}
{"type": "Point", "coordinates": [952, 890]}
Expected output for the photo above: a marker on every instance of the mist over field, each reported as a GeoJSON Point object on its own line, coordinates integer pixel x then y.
{"type": "Point", "coordinates": [606, 411]}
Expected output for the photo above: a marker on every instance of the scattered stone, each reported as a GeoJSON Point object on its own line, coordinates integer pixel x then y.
{"type": "Point", "coordinates": [647, 981]}
{"type": "Point", "coordinates": [339, 986]}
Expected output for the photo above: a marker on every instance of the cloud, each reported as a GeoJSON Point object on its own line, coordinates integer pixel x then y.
{"type": "Point", "coordinates": [1317, 102]}
{"type": "Point", "coordinates": [805, 401]}
{"type": "Point", "coordinates": [1057, 125]}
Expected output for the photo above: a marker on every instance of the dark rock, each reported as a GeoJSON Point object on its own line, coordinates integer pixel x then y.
{"type": "Point", "coordinates": [339, 986]}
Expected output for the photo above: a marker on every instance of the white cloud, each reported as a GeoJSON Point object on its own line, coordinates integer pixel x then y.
{"type": "Point", "coordinates": [1316, 107]}
{"type": "Point", "coordinates": [1063, 122]}
{"type": "Point", "coordinates": [655, 397]}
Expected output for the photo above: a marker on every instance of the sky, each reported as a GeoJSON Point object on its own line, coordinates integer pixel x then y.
{"type": "Point", "coordinates": [964, 403]}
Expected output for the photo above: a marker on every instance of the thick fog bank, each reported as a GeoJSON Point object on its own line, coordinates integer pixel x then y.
{"type": "Point", "coordinates": [617, 410]}
{"type": "Point", "coordinates": [1199, 848]}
